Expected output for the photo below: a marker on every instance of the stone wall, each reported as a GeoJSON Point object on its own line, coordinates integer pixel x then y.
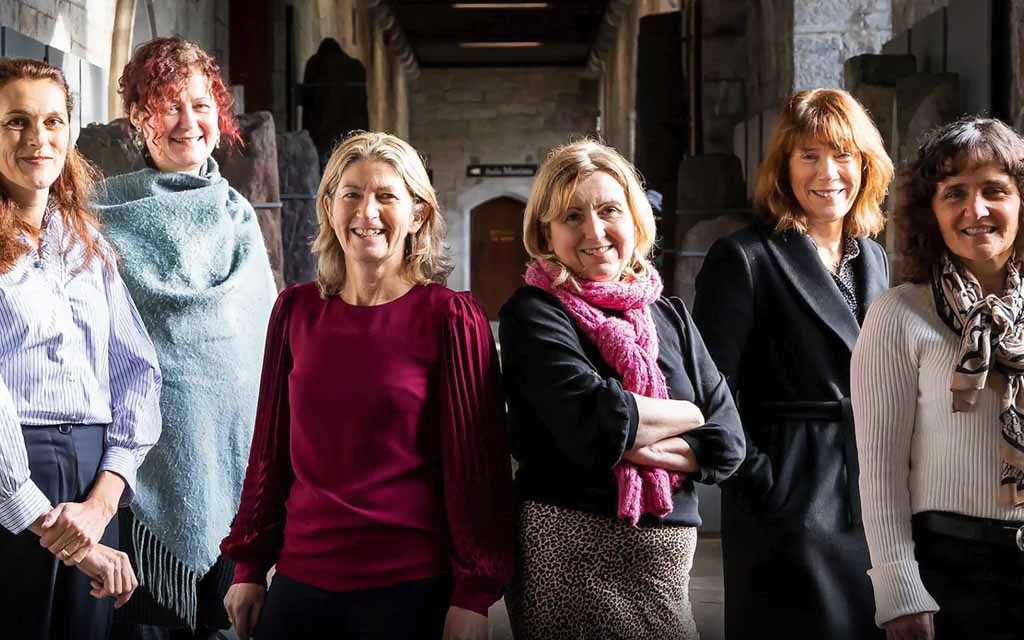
{"type": "Point", "coordinates": [467, 116]}
{"type": "Point", "coordinates": [197, 20]}
{"type": "Point", "coordinates": [827, 32]}
{"type": "Point", "coordinates": [79, 27]}
{"type": "Point", "coordinates": [906, 12]}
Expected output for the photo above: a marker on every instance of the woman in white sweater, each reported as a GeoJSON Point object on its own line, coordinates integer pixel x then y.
{"type": "Point", "coordinates": [938, 396]}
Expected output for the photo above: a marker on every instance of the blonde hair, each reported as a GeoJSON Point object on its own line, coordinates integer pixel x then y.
{"type": "Point", "coordinates": [564, 168]}
{"type": "Point", "coordinates": [426, 256]}
{"type": "Point", "coordinates": [833, 117]}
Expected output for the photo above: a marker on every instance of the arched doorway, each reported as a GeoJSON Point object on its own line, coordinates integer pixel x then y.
{"type": "Point", "coordinates": [497, 255]}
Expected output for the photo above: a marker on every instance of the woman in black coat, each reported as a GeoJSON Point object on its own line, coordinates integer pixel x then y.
{"type": "Point", "coordinates": [780, 305]}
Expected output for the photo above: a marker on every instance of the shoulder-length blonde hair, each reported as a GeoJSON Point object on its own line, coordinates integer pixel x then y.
{"type": "Point", "coordinates": [426, 255]}
{"type": "Point", "coordinates": [71, 191]}
{"type": "Point", "coordinates": [564, 168]}
{"type": "Point", "coordinates": [835, 118]}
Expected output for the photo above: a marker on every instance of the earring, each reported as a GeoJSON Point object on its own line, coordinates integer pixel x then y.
{"type": "Point", "coordinates": [137, 138]}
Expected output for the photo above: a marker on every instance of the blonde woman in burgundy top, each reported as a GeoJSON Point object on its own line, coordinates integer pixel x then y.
{"type": "Point", "coordinates": [379, 480]}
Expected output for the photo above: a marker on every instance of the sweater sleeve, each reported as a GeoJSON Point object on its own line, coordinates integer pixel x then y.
{"type": "Point", "coordinates": [723, 310]}
{"type": "Point", "coordinates": [592, 420]}
{"type": "Point", "coordinates": [257, 531]}
{"type": "Point", "coordinates": [719, 442]}
{"type": "Point", "coordinates": [884, 386]}
{"type": "Point", "coordinates": [476, 463]}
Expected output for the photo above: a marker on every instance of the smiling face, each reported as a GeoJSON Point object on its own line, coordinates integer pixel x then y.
{"type": "Point", "coordinates": [183, 137]}
{"type": "Point", "coordinates": [824, 180]}
{"type": "Point", "coordinates": [372, 213]}
{"type": "Point", "coordinates": [595, 236]}
{"type": "Point", "coordinates": [34, 138]}
{"type": "Point", "coordinates": [978, 213]}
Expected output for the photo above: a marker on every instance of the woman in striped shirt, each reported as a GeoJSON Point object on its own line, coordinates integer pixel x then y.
{"type": "Point", "coordinates": [79, 383]}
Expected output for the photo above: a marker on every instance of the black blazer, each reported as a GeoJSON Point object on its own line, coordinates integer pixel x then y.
{"type": "Point", "coordinates": [776, 324]}
{"type": "Point", "coordinates": [778, 327]}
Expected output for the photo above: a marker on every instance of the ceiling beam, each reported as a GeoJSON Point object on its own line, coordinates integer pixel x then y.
{"type": "Point", "coordinates": [384, 18]}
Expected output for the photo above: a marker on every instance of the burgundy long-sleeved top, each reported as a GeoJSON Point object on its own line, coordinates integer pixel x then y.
{"type": "Point", "coordinates": [379, 453]}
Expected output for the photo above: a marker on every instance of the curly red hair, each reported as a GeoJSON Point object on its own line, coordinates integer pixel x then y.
{"type": "Point", "coordinates": [160, 70]}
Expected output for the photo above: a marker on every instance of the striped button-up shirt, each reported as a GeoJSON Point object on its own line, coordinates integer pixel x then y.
{"type": "Point", "coordinates": [73, 350]}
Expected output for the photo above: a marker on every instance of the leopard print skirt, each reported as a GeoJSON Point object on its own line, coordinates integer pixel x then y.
{"type": "Point", "coordinates": [582, 576]}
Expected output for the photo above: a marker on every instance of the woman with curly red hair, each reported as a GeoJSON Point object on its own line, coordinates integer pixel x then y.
{"type": "Point", "coordinates": [194, 259]}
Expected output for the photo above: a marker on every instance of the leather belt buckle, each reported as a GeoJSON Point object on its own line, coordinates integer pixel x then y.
{"type": "Point", "coordinates": [1020, 538]}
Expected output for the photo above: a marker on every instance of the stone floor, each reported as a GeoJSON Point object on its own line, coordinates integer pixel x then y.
{"type": "Point", "coordinates": [706, 594]}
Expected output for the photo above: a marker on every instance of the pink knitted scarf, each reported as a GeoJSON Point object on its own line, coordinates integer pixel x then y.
{"type": "Point", "coordinates": [630, 345]}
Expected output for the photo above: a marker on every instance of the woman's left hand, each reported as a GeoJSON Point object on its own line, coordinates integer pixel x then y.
{"type": "Point", "coordinates": [463, 624]}
{"type": "Point", "coordinates": [72, 529]}
{"type": "Point", "coordinates": [671, 454]}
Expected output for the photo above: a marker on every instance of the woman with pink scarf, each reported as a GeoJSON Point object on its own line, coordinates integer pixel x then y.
{"type": "Point", "coordinates": [615, 410]}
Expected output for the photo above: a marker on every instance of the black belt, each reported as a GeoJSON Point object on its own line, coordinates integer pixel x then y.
{"type": "Point", "coordinates": [954, 525]}
{"type": "Point", "coordinates": [840, 411]}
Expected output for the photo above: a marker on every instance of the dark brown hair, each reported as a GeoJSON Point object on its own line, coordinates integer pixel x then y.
{"type": "Point", "coordinates": [947, 151]}
{"type": "Point", "coordinates": [835, 118]}
{"type": "Point", "coordinates": [71, 191]}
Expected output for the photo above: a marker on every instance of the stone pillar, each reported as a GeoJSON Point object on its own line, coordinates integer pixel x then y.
{"type": "Point", "coordinates": [723, 72]}
{"type": "Point", "coordinates": [299, 171]}
{"type": "Point", "coordinates": [872, 79]}
{"type": "Point", "coordinates": [400, 98]}
{"type": "Point", "coordinates": [378, 84]}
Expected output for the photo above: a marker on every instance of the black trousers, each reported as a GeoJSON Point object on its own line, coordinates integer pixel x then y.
{"type": "Point", "coordinates": [979, 586]}
{"type": "Point", "coordinates": [40, 598]}
{"type": "Point", "coordinates": [413, 610]}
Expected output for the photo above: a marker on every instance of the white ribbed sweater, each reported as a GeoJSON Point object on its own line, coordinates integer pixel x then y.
{"type": "Point", "coordinates": [915, 453]}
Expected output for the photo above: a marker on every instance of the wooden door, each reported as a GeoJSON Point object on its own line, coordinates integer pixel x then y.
{"type": "Point", "coordinates": [497, 256]}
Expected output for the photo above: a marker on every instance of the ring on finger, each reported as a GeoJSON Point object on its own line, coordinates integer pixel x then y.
{"type": "Point", "coordinates": [64, 552]}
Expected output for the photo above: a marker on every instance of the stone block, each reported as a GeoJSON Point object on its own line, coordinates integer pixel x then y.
{"type": "Point", "coordinates": [877, 69]}
{"type": "Point", "coordinates": [723, 18]}
{"type": "Point", "coordinates": [299, 171]}
{"type": "Point", "coordinates": [719, 59]}
{"type": "Point", "coordinates": [923, 102]}
{"type": "Point", "coordinates": [928, 42]}
{"type": "Point", "coordinates": [898, 45]}
{"type": "Point", "coordinates": [880, 103]}
{"type": "Point", "coordinates": [110, 148]}
{"type": "Point", "coordinates": [816, 61]}
{"type": "Point", "coordinates": [252, 170]}
{"type": "Point", "coordinates": [695, 244]}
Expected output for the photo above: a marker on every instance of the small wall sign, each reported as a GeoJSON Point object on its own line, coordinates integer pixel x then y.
{"type": "Point", "coordinates": [501, 170]}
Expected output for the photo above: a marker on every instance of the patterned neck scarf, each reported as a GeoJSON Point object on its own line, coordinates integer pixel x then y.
{"type": "Point", "coordinates": [991, 332]}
